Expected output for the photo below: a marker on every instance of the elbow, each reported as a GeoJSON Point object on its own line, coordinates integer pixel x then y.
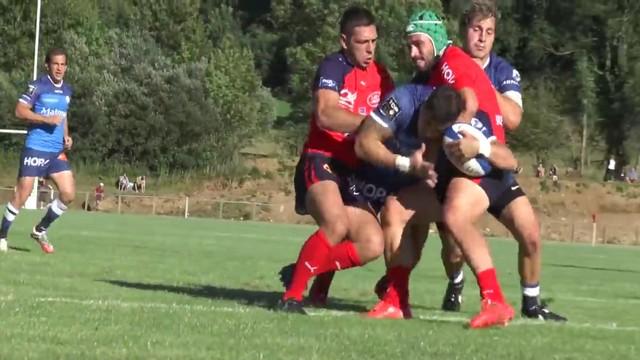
{"type": "Point", "coordinates": [512, 121]}
{"type": "Point", "coordinates": [18, 113]}
{"type": "Point", "coordinates": [322, 120]}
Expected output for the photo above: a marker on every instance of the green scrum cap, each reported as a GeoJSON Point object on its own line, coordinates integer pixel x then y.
{"type": "Point", "coordinates": [428, 23]}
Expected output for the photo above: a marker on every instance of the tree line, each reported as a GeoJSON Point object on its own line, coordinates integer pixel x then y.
{"type": "Point", "coordinates": [185, 84]}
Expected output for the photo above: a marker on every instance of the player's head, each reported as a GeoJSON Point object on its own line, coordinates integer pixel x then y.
{"type": "Point", "coordinates": [439, 111]}
{"type": "Point", "coordinates": [358, 35]}
{"type": "Point", "coordinates": [56, 63]}
{"type": "Point", "coordinates": [478, 28]}
{"type": "Point", "coordinates": [427, 39]}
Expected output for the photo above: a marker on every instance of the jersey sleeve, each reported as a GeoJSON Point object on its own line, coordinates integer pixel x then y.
{"type": "Point", "coordinates": [330, 75]}
{"type": "Point", "coordinates": [397, 109]}
{"type": "Point", "coordinates": [30, 95]}
{"type": "Point", "coordinates": [508, 82]}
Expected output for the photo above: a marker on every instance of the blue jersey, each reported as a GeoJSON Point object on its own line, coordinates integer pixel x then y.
{"type": "Point", "coordinates": [399, 113]}
{"type": "Point", "coordinates": [46, 98]}
{"type": "Point", "coordinates": [504, 77]}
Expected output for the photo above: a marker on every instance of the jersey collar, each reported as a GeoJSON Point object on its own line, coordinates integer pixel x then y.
{"type": "Point", "coordinates": [54, 84]}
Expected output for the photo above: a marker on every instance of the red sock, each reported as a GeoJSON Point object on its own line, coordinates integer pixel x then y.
{"type": "Point", "coordinates": [489, 286]}
{"type": "Point", "coordinates": [398, 291]}
{"type": "Point", "coordinates": [341, 257]}
{"type": "Point", "coordinates": [312, 256]}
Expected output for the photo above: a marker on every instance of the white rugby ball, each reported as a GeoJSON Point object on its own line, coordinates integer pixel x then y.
{"type": "Point", "coordinates": [476, 167]}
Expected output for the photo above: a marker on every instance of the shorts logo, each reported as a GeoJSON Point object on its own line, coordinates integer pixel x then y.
{"type": "Point", "coordinates": [327, 168]}
{"type": "Point", "coordinates": [390, 108]}
{"type": "Point", "coordinates": [373, 99]}
{"type": "Point", "coordinates": [35, 161]}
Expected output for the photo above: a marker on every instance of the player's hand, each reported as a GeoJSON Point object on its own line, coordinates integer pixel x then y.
{"type": "Point", "coordinates": [68, 142]}
{"type": "Point", "coordinates": [53, 119]}
{"type": "Point", "coordinates": [421, 168]}
{"type": "Point", "coordinates": [465, 148]}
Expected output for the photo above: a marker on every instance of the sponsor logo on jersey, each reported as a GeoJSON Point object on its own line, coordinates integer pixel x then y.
{"type": "Point", "coordinates": [348, 99]}
{"type": "Point", "coordinates": [390, 108]}
{"type": "Point", "coordinates": [373, 99]}
{"type": "Point", "coordinates": [516, 75]}
{"type": "Point", "coordinates": [327, 83]}
{"type": "Point", "coordinates": [448, 74]}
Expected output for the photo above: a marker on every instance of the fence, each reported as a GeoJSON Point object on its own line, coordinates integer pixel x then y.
{"type": "Point", "coordinates": [572, 230]}
{"type": "Point", "coordinates": [183, 206]}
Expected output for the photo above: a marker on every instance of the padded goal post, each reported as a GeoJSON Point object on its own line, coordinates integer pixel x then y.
{"type": "Point", "coordinates": [32, 200]}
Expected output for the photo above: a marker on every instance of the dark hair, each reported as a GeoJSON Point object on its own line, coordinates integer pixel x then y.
{"type": "Point", "coordinates": [444, 106]}
{"type": "Point", "coordinates": [482, 9]}
{"type": "Point", "coordinates": [54, 52]}
{"type": "Point", "coordinates": [353, 17]}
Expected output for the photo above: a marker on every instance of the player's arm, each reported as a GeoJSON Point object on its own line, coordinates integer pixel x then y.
{"type": "Point", "coordinates": [468, 147]}
{"type": "Point", "coordinates": [23, 111]}
{"type": "Point", "coordinates": [330, 115]}
{"type": "Point", "coordinates": [24, 108]}
{"type": "Point", "coordinates": [370, 148]}
{"type": "Point", "coordinates": [470, 101]}
{"type": "Point", "coordinates": [502, 157]}
{"type": "Point", "coordinates": [511, 111]}
{"type": "Point", "coordinates": [509, 95]}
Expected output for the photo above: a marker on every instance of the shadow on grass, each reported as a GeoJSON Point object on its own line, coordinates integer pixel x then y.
{"type": "Point", "coordinates": [249, 297]}
{"type": "Point", "coordinates": [595, 268]}
{"type": "Point", "coordinates": [16, 248]}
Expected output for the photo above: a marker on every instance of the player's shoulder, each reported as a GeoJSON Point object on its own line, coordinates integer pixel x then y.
{"type": "Point", "coordinates": [412, 92]}
{"type": "Point", "coordinates": [503, 67]}
{"type": "Point", "coordinates": [336, 60]}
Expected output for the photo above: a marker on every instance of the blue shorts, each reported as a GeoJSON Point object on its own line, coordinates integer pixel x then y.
{"type": "Point", "coordinates": [500, 186]}
{"type": "Point", "coordinates": [36, 163]}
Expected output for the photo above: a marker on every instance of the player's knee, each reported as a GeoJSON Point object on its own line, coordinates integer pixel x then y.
{"type": "Point", "coordinates": [530, 242]}
{"type": "Point", "coordinates": [336, 229]}
{"type": "Point", "coordinates": [67, 197]}
{"type": "Point", "coordinates": [451, 254]}
{"type": "Point", "coordinates": [393, 215]}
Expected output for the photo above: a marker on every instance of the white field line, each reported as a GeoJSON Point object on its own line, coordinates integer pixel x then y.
{"type": "Point", "coordinates": [332, 313]}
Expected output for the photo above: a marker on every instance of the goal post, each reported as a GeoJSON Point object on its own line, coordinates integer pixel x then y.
{"type": "Point", "coordinates": [32, 200]}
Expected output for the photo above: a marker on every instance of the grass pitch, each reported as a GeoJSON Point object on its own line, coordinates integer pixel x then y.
{"type": "Point", "coordinates": [167, 288]}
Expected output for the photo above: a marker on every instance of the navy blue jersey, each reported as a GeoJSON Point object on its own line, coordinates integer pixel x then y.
{"type": "Point", "coordinates": [504, 77]}
{"type": "Point", "coordinates": [46, 98]}
{"type": "Point", "coordinates": [399, 113]}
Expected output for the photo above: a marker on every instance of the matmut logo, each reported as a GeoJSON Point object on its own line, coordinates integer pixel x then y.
{"type": "Point", "coordinates": [35, 161]}
{"type": "Point", "coordinates": [50, 111]}
{"type": "Point", "coordinates": [448, 74]}
{"type": "Point", "coordinates": [348, 99]}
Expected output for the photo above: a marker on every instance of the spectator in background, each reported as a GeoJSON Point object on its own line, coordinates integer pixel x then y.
{"type": "Point", "coordinates": [632, 175]}
{"type": "Point", "coordinates": [610, 172]}
{"type": "Point", "coordinates": [99, 195]}
{"type": "Point", "coordinates": [142, 183]}
{"type": "Point", "coordinates": [540, 170]}
{"type": "Point", "coordinates": [553, 173]}
{"type": "Point", "coordinates": [45, 193]}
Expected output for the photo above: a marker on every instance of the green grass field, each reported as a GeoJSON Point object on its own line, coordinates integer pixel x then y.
{"type": "Point", "coordinates": [168, 288]}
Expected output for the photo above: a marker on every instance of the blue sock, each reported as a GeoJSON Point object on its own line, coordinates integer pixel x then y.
{"type": "Point", "coordinates": [10, 214]}
{"type": "Point", "coordinates": [54, 211]}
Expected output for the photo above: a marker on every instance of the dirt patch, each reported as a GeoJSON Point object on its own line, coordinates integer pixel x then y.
{"type": "Point", "coordinates": [267, 195]}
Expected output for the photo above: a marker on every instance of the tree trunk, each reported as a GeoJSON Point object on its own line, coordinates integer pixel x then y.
{"type": "Point", "coordinates": [583, 148]}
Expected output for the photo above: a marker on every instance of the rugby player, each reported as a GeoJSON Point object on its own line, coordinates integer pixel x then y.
{"type": "Point", "coordinates": [347, 86]}
{"type": "Point", "coordinates": [44, 106]}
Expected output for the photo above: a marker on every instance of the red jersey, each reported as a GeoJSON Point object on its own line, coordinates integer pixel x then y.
{"type": "Point", "coordinates": [456, 69]}
{"type": "Point", "coordinates": [360, 92]}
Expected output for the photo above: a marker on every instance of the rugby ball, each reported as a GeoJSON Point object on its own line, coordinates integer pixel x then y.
{"type": "Point", "coordinates": [476, 167]}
